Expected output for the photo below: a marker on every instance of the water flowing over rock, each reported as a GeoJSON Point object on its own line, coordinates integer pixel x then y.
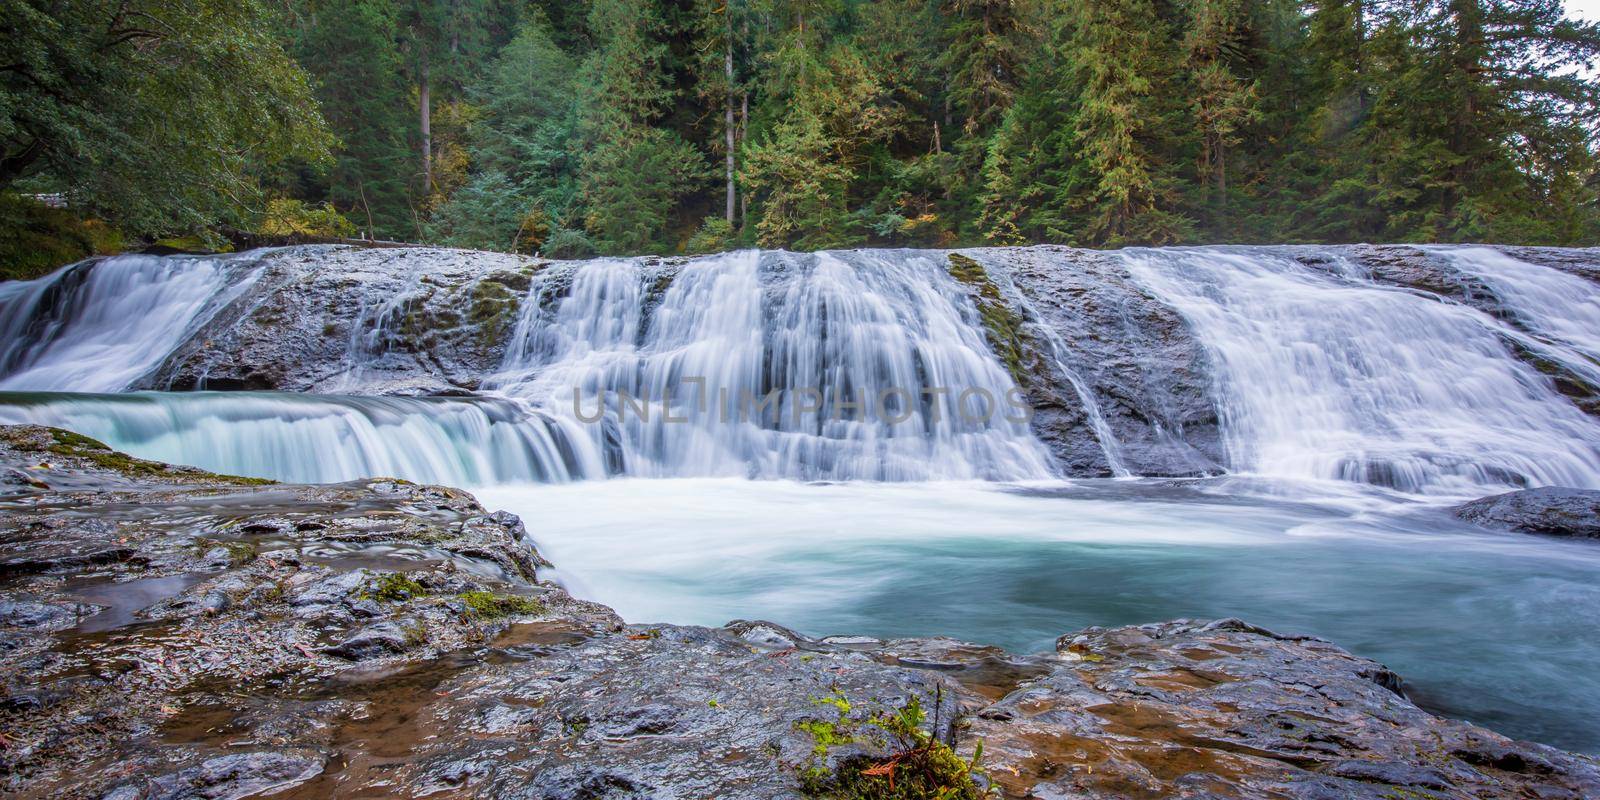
{"type": "Point", "coordinates": [1111, 350]}
{"type": "Point", "coordinates": [104, 324]}
{"type": "Point", "coordinates": [1427, 369]}
{"type": "Point", "coordinates": [1323, 374]}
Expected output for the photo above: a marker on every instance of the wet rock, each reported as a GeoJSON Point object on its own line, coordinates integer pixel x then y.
{"type": "Point", "coordinates": [227, 778]}
{"type": "Point", "coordinates": [179, 613]}
{"type": "Point", "coordinates": [28, 614]}
{"type": "Point", "coordinates": [373, 641]}
{"type": "Point", "coordinates": [224, 688]}
{"type": "Point", "coordinates": [1552, 511]}
{"type": "Point", "coordinates": [406, 321]}
{"type": "Point", "coordinates": [1227, 709]}
{"type": "Point", "coordinates": [323, 587]}
{"type": "Point", "coordinates": [1137, 358]}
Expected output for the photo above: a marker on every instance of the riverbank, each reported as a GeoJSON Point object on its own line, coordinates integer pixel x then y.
{"type": "Point", "coordinates": [167, 632]}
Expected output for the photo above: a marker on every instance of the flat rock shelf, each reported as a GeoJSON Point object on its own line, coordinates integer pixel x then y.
{"type": "Point", "coordinates": [167, 632]}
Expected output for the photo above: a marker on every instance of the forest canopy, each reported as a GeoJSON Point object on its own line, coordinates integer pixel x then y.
{"type": "Point", "coordinates": [573, 127]}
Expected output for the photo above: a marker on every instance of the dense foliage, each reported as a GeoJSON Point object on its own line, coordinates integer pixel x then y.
{"type": "Point", "coordinates": [622, 126]}
{"type": "Point", "coordinates": [156, 116]}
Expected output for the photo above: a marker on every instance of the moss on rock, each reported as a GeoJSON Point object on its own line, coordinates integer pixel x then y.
{"type": "Point", "coordinates": [75, 445]}
{"type": "Point", "coordinates": [490, 606]}
{"type": "Point", "coordinates": [1001, 326]}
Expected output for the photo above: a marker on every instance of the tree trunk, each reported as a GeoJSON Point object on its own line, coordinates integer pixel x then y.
{"type": "Point", "coordinates": [744, 128]}
{"type": "Point", "coordinates": [727, 119]}
{"type": "Point", "coordinates": [426, 105]}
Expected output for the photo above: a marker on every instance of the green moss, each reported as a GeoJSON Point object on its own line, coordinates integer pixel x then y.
{"type": "Point", "coordinates": [970, 272]}
{"type": "Point", "coordinates": [662, 284]}
{"type": "Point", "coordinates": [488, 605]}
{"type": "Point", "coordinates": [920, 768]}
{"type": "Point", "coordinates": [416, 634]}
{"type": "Point", "coordinates": [239, 553]}
{"type": "Point", "coordinates": [1001, 326]}
{"type": "Point", "coordinates": [192, 244]}
{"type": "Point", "coordinates": [494, 309]}
{"type": "Point", "coordinates": [395, 587]}
{"type": "Point", "coordinates": [74, 445]}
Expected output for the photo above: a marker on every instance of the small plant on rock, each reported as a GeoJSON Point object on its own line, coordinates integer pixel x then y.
{"type": "Point", "coordinates": [918, 767]}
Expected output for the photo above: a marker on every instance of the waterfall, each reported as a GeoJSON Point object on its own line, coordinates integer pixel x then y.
{"type": "Point", "coordinates": [1323, 374]}
{"type": "Point", "coordinates": [837, 366]}
{"type": "Point", "coordinates": [827, 366]}
{"type": "Point", "coordinates": [852, 365]}
{"type": "Point", "coordinates": [321, 438]}
{"type": "Point", "coordinates": [100, 325]}
{"type": "Point", "coordinates": [1563, 310]}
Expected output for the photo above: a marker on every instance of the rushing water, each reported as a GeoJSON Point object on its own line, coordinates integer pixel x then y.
{"type": "Point", "coordinates": [835, 366]}
{"type": "Point", "coordinates": [99, 326]}
{"type": "Point", "coordinates": [1353, 413]}
{"type": "Point", "coordinates": [1325, 375]}
{"type": "Point", "coordinates": [321, 439]}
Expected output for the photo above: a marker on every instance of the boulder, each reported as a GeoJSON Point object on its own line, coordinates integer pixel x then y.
{"type": "Point", "coordinates": [1549, 510]}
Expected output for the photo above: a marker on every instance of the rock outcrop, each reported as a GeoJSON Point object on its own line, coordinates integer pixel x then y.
{"type": "Point", "coordinates": [1147, 375]}
{"type": "Point", "coordinates": [167, 633]}
{"type": "Point", "coordinates": [1549, 510]}
{"type": "Point", "coordinates": [390, 321]}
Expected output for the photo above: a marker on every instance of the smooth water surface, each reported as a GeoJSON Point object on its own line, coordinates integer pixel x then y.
{"type": "Point", "coordinates": [1493, 628]}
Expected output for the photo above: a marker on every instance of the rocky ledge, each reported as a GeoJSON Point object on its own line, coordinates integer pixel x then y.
{"type": "Point", "coordinates": [170, 633]}
{"type": "Point", "coordinates": [1549, 510]}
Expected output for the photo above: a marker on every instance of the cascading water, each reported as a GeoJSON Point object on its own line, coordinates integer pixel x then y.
{"type": "Point", "coordinates": [1103, 434]}
{"type": "Point", "coordinates": [862, 365]}
{"type": "Point", "coordinates": [98, 326]}
{"type": "Point", "coordinates": [1325, 375]}
{"type": "Point", "coordinates": [827, 366]}
{"type": "Point", "coordinates": [320, 438]}
{"type": "Point", "coordinates": [836, 366]}
{"type": "Point", "coordinates": [1563, 310]}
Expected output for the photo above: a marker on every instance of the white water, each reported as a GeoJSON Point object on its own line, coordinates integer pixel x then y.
{"type": "Point", "coordinates": [822, 331]}
{"type": "Point", "coordinates": [98, 327]}
{"type": "Point", "coordinates": [1320, 374]}
{"type": "Point", "coordinates": [312, 439]}
{"type": "Point", "coordinates": [1328, 376]}
{"type": "Point", "coordinates": [1561, 308]}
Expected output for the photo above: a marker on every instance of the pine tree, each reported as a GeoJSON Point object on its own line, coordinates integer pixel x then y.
{"type": "Point", "coordinates": [524, 151]}
{"type": "Point", "coordinates": [361, 85]}
{"type": "Point", "coordinates": [634, 173]}
{"type": "Point", "coordinates": [989, 41]}
{"type": "Point", "coordinates": [1223, 103]}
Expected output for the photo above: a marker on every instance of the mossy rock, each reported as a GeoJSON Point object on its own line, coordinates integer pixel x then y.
{"type": "Point", "coordinates": [494, 309]}
{"type": "Point", "coordinates": [396, 587]}
{"type": "Point", "coordinates": [74, 445]}
{"type": "Point", "coordinates": [490, 606]}
{"type": "Point", "coordinates": [1001, 326]}
{"type": "Point", "coordinates": [916, 766]}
